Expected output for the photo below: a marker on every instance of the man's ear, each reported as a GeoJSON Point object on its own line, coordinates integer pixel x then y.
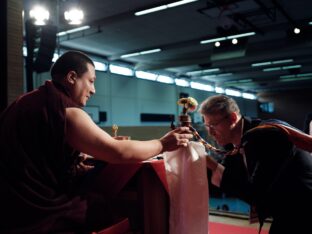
{"type": "Point", "coordinates": [233, 117]}
{"type": "Point", "coordinates": [71, 77]}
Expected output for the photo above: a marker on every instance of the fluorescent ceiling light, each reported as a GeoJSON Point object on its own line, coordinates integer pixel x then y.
{"type": "Point", "coordinates": [125, 71]}
{"type": "Point", "coordinates": [179, 3]}
{"type": "Point", "coordinates": [233, 92]}
{"type": "Point", "coordinates": [100, 66]}
{"type": "Point", "coordinates": [130, 55]}
{"type": "Point", "coordinates": [281, 68]}
{"type": "Point", "coordinates": [163, 7]}
{"type": "Point", "coordinates": [249, 96]}
{"type": "Point", "coordinates": [304, 74]}
{"type": "Point", "coordinates": [150, 51]}
{"type": "Point", "coordinates": [291, 67]}
{"type": "Point", "coordinates": [181, 82]}
{"type": "Point", "coordinates": [287, 76]}
{"type": "Point", "coordinates": [219, 90]}
{"type": "Point", "coordinates": [310, 22]}
{"type": "Point", "coordinates": [213, 40]}
{"type": "Point", "coordinates": [241, 35]}
{"type": "Point", "coordinates": [64, 33]}
{"type": "Point", "coordinates": [282, 61]}
{"type": "Point", "coordinates": [272, 69]}
{"type": "Point", "coordinates": [203, 71]}
{"type": "Point", "coordinates": [227, 38]}
{"type": "Point", "coordinates": [165, 79]}
{"type": "Point", "coordinates": [140, 53]}
{"type": "Point", "coordinates": [272, 62]}
{"type": "Point", "coordinates": [146, 75]}
{"type": "Point", "coordinates": [297, 75]}
{"type": "Point", "coordinates": [200, 86]}
{"type": "Point", "coordinates": [151, 10]}
{"type": "Point", "coordinates": [296, 79]}
{"type": "Point", "coordinates": [261, 64]}
{"type": "Point", "coordinates": [208, 77]}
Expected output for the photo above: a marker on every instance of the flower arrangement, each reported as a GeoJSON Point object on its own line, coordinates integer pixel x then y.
{"type": "Point", "coordinates": [189, 104]}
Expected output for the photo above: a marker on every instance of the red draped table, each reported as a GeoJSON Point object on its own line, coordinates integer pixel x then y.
{"type": "Point", "coordinates": [138, 191]}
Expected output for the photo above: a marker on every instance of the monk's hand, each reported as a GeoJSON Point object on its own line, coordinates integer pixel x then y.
{"type": "Point", "coordinates": [83, 165]}
{"type": "Point", "coordinates": [176, 138]}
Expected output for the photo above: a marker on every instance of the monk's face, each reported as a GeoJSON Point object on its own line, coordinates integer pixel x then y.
{"type": "Point", "coordinates": [83, 87]}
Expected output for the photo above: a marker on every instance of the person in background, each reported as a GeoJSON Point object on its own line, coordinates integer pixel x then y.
{"type": "Point", "coordinates": [42, 134]}
{"type": "Point", "coordinates": [266, 170]}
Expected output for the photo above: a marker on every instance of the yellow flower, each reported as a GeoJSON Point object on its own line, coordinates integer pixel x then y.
{"type": "Point", "coordinates": [192, 103]}
{"type": "Point", "coordinates": [189, 104]}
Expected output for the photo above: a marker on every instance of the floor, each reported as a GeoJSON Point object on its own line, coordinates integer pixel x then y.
{"type": "Point", "coordinates": [236, 220]}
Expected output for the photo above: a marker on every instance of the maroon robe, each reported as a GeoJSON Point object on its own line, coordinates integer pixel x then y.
{"type": "Point", "coordinates": [37, 166]}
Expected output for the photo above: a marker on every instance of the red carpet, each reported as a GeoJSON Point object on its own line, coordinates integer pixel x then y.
{"type": "Point", "coordinates": [221, 228]}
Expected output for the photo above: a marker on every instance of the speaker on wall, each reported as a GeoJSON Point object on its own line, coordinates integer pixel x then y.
{"type": "Point", "coordinates": [146, 117]}
{"type": "Point", "coordinates": [46, 49]}
{"type": "Point", "coordinates": [103, 116]}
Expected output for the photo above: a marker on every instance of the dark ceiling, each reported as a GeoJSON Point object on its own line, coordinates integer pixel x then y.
{"type": "Point", "coordinates": [115, 31]}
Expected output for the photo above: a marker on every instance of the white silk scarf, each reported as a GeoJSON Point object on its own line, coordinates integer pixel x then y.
{"type": "Point", "coordinates": [186, 173]}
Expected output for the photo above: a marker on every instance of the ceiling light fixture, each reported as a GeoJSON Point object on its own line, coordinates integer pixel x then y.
{"type": "Point", "coordinates": [100, 66]}
{"type": "Point", "coordinates": [165, 79]}
{"type": "Point", "coordinates": [295, 79]}
{"type": "Point", "coordinates": [140, 53]}
{"type": "Point", "coordinates": [74, 16]}
{"type": "Point", "coordinates": [297, 75]}
{"type": "Point", "coordinates": [121, 70]}
{"type": "Point", "coordinates": [163, 7]}
{"type": "Point", "coordinates": [203, 71]}
{"type": "Point", "coordinates": [272, 62]}
{"type": "Point", "coordinates": [146, 75]}
{"type": "Point", "coordinates": [219, 90]}
{"type": "Point", "coordinates": [64, 33]}
{"type": "Point", "coordinates": [296, 30]}
{"type": "Point", "coordinates": [281, 68]}
{"type": "Point", "coordinates": [233, 92]}
{"type": "Point", "coordinates": [217, 44]}
{"type": "Point", "coordinates": [249, 96]}
{"type": "Point", "coordinates": [209, 77]}
{"type": "Point", "coordinates": [40, 15]}
{"type": "Point", "coordinates": [248, 34]}
{"type": "Point", "coordinates": [234, 41]}
{"type": "Point", "coordinates": [200, 86]}
{"type": "Point", "coordinates": [182, 82]}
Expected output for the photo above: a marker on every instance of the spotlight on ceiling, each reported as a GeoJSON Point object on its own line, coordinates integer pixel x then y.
{"type": "Point", "coordinates": [74, 16]}
{"type": "Point", "coordinates": [40, 15]}
{"type": "Point", "coordinates": [217, 44]}
{"type": "Point", "coordinates": [296, 30]}
{"type": "Point", "coordinates": [234, 41]}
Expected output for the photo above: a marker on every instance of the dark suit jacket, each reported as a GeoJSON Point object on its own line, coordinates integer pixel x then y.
{"type": "Point", "coordinates": [276, 177]}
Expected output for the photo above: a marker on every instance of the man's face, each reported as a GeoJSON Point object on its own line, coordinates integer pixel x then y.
{"type": "Point", "coordinates": [219, 127]}
{"type": "Point", "coordinates": [83, 87]}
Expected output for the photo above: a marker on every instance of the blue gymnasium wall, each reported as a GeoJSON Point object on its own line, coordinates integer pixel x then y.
{"type": "Point", "coordinates": [124, 98]}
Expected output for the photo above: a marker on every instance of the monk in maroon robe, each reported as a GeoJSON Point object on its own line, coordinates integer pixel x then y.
{"type": "Point", "coordinates": [42, 134]}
